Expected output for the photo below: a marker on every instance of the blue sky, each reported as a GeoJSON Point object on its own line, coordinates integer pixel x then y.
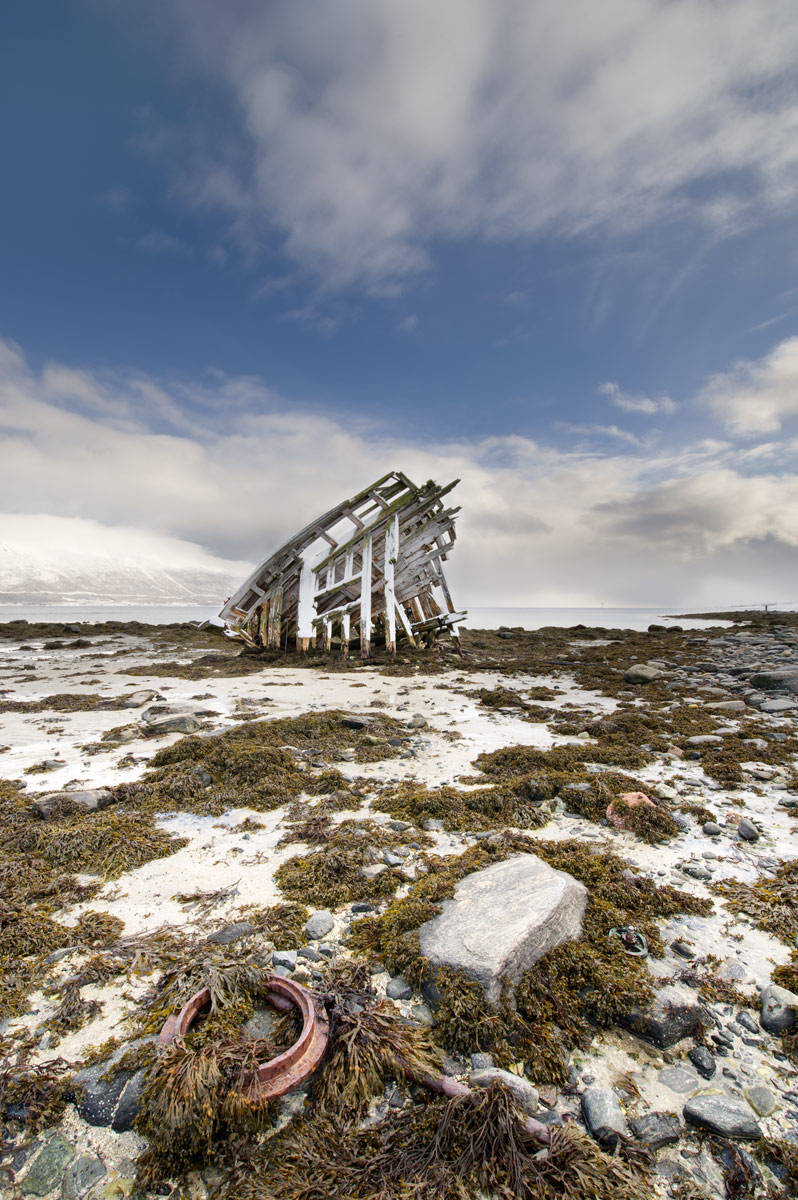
{"type": "Point", "coordinates": [550, 248]}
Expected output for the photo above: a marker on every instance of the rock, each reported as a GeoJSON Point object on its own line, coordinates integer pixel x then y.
{"type": "Point", "coordinates": [779, 1009]}
{"type": "Point", "coordinates": [391, 859]}
{"type": "Point", "coordinates": [421, 1014]}
{"type": "Point", "coordinates": [481, 1062]}
{"type": "Point", "coordinates": [81, 1177]}
{"type": "Point", "coordinates": [633, 800]}
{"type": "Point", "coordinates": [128, 1105]}
{"type": "Point", "coordinates": [319, 924]}
{"type": "Point", "coordinates": [399, 989]}
{"type": "Point", "coordinates": [723, 1115]}
{"type": "Point", "coordinates": [643, 673]}
{"type": "Point", "coordinates": [418, 721]}
{"type": "Point", "coordinates": [503, 919]}
{"type": "Point", "coordinates": [776, 681]}
{"type": "Point", "coordinates": [778, 706]}
{"type": "Point", "coordinates": [748, 830]}
{"type": "Point", "coordinates": [523, 1091]}
{"type": "Point", "coordinates": [761, 1099]}
{"type": "Point", "coordinates": [682, 949]}
{"type": "Point", "coordinates": [231, 933]}
{"type": "Point", "coordinates": [373, 870]}
{"type": "Point", "coordinates": [362, 906]}
{"type": "Point", "coordinates": [286, 959]}
{"type": "Point", "coordinates": [136, 699]}
{"type": "Point", "coordinates": [672, 1015]}
{"type": "Point", "coordinates": [603, 1116]}
{"type": "Point", "coordinates": [354, 721]}
{"type": "Point", "coordinates": [90, 800]}
{"type": "Point", "coordinates": [656, 1129]}
{"type": "Point", "coordinates": [47, 1168]}
{"type": "Point", "coordinates": [711, 828]}
{"type": "Point", "coordinates": [747, 1021]}
{"type": "Point", "coordinates": [728, 706]}
{"type": "Point", "coordinates": [703, 1061]}
{"type": "Point", "coordinates": [179, 723]}
{"type": "Point", "coordinates": [679, 1079]}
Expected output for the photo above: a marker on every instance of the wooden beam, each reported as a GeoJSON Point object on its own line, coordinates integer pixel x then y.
{"type": "Point", "coordinates": [391, 554]}
{"type": "Point", "coordinates": [365, 599]}
{"type": "Point", "coordinates": [346, 627]}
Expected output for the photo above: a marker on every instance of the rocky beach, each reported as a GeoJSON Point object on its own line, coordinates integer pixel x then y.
{"type": "Point", "coordinates": [544, 893]}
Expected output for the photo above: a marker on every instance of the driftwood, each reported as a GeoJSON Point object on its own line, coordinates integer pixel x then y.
{"type": "Point", "coordinates": [370, 567]}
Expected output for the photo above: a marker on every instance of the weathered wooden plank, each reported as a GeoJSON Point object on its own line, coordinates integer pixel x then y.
{"type": "Point", "coordinates": [365, 599]}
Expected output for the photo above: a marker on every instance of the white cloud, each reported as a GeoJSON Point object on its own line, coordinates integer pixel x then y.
{"type": "Point", "coordinates": [647, 405]}
{"type": "Point", "coordinates": [228, 466]}
{"type": "Point", "coordinates": [368, 129]}
{"type": "Point", "coordinates": [757, 396]}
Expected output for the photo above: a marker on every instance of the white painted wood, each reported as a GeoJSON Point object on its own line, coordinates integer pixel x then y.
{"type": "Point", "coordinates": [365, 599]}
{"type": "Point", "coordinates": [306, 609]}
{"type": "Point", "coordinates": [391, 555]}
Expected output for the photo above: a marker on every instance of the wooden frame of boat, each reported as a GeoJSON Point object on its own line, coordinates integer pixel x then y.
{"type": "Point", "coordinates": [371, 566]}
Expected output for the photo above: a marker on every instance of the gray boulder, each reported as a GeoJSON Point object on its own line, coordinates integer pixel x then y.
{"type": "Point", "coordinates": [525, 1094]}
{"type": "Point", "coordinates": [89, 800]}
{"type": "Point", "coordinates": [111, 1102]}
{"type": "Point", "coordinates": [779, 1009]}
{"type": "Point", "coordinates": [748, 830]}
{"type": "Point", "coordinates": [48, 1166]}
{"type": "Point", "coordinates": [173, 723]}
{"type": "Point", "coordinates": [643, 673]}
{"type": "Point", "coordinates": [231, 933]}
{"type": "Point", "coordinates": [503, 919]}
{"type": "Point", "coordinates": [603, 1116]}
{"type": "Point", "coordinates": [724, 1115]}
{"type": "Point", "coordinates": [672, 1015]}
{"type": "Point", "coordinates": [785, 680]}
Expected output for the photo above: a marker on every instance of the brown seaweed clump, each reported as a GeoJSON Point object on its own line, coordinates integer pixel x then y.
{"type": "Point", "coordinates": [35, 1093]}
{"type": "Point", "coordinates": [495, 807]}
{"type": "Point", "coordinates": [475, 1144]}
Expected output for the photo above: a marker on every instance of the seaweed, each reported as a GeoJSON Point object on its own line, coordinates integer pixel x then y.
{"type": "Point", "coordinates": [475, 1144]}
{"type": "Point", "coordinates": [482, 809]}
{"type": "Point", "coordinates": [771, 902]}
{"type": "Point", "coordinates": [32, 1094]}
{"type": "Point", "coordinates": [282, 924]}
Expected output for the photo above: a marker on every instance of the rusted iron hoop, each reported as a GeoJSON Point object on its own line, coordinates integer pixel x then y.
{"type": "Point", "coordinates": [289, 1069]}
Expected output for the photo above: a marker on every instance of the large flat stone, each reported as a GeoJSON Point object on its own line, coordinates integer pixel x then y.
{"type": "Point", "coordinates": [503, 919]}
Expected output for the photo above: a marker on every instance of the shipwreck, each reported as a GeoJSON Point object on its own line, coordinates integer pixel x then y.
{"type": "Point", "coordinates": [370, 569]}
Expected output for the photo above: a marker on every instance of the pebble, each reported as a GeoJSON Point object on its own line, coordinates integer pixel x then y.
{"type": "Point", "coordinates": [656, 1129]}
{"type": "Point", "coordinates": [761, 1100]}
{"type": "Point", "coordinates": [747, 830]}
{"type": "Point", "coordinates": [319, 924]}
{"type": "Point", "coordinates": [398, 988]}
{"type": "Point", "coordinates": [711, 828]}
{"type": "Point", "coordinates": [703, 1061]}
{"type": "Point", "coordinates": [48, 1166]}
{"type": "Point", "coordinates": [603, 1116]}
{"type": "Point", "coordinates": [285, 958]}
{"type": "Point", "coordinates": [522, 1089]}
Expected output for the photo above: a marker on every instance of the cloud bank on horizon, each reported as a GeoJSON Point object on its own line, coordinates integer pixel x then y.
{"type": "Point", "coordinates": [540, 526]}
{"type": "Point", "coordinates": [549, 249]}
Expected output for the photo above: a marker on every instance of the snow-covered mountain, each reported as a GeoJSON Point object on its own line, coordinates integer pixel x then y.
{"type": "Point", "coordinates": [66, 560]}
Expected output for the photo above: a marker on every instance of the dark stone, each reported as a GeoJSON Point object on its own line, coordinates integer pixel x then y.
{"type": "Point", "coordinates": [711, 828]}
{"type": "Point", "coordinates": [672, 1015]}
{"type": "Point", "coordinates": [231, 933]}
{"type": "Point", "coordinates": [682, 949]}
{"type": "Point", "coordinates": [747, 1021]}
{"type": "Point", "coordinates": [399, 989]}
{"type": "Point", "coordinates": [128, 1104]}
{"type": "Point", "coordinates": [748, 830]}
{"type": "Point", "coordinates": [723, 1115]}
{"type": "Point", "coordinates": [656, 1129]}
{"type": "Point", "coordinates": [734, 1157]}
{"type": "Point", "coordinates": [362, 906]}
{"type": "Point", "coordinates": [603, 1116]}
{"type": "Point", "coordinates": [354, 721]}
{"type": "Point", "coordinates": [100, 1096]}
{"type": "Point", "coordinates": [703, 1061]}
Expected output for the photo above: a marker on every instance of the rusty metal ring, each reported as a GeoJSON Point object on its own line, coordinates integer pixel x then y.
{"type": "Point", "coordinates": [289, 1069]}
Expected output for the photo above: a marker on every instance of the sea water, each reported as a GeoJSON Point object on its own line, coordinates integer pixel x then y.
{"type": "Point", "coordinates": [478, 618]}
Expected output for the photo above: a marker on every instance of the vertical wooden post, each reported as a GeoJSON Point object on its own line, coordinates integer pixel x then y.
{"type": "Point", "coordinates": [346, 627]}
{"type": "Point", "coordinates": [305, 607]}
{"type": "Point", "coordinates": [391, 555]}
{"type": "Point", "coordinates": [275, 619]}
{"type": "Point", "coordinates": [326, 636]}
{"type": "Point", "coordinates": [365, 599]}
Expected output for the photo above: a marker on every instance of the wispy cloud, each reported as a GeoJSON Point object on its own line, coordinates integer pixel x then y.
{"type": "Point", "coordinates": [497, 119]}
{"type": "Point", "coordinates": [647, 405]}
